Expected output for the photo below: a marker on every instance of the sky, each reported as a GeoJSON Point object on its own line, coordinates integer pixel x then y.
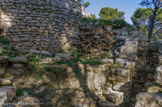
{"type": "Point", "coordinates": [128, 6]}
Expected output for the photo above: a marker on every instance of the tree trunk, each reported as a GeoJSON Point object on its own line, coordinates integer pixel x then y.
{"type": "Point", "coordinates": [151, 26]}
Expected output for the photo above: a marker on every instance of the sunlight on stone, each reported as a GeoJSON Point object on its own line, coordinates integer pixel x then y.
{"type": "Point", "coordinates": [6, 20]}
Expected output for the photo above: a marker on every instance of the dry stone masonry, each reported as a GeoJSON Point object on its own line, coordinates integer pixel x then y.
{"type": "Point", "coordinates": [128, 73]}
{"type": "Point", "coordinates": [40, 24]}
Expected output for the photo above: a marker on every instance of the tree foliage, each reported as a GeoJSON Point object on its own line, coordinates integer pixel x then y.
{"type": "Point", "coordinates": [108, 13]}
{"type": "Point", "coordinates": [155, 6]}
{"type": "Point", "coordinates": [84, 4]}
{"type": "Point", "coordinates": [141, 19]}
{"type": "Point", "coordinates": [93, 16]}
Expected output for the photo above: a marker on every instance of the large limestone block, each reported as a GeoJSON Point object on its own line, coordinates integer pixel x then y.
{"type": "Point", "coordinates": [158, 75]}
{"type": "Point", "coordinates": [95, 80]}
{"type": "Point", "coordinates": [129, 50]}
{"type": "Point", "coordinates": [120, 75]}
{"type": "Point", "coordinates": [149, 100]}
{"type": "Point", "coordinates": [28, 102]}
{"type": "Point", "coordinates": [115, 97]}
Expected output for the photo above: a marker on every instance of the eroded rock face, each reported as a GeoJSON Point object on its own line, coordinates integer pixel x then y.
{"type": "Point", "coordinates": [149, 100]}
{"type": "Point", "coordinates": [95, 80]}
{"type": "Point", "coordinates": [158, 75]}
{"type": "Point", "coordinates": [129, 50]}
{"type": "Point", "coordinates": [115, 97]}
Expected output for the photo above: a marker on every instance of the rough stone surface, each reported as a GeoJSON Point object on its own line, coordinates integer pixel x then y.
{"type": "Point", "coordinates": [5, 82]}
{"type": "Point", "coordinates": [28, 102]}
{"type": "Point", "coordinates": [149, 100]}
{"type": "Point", "coordinates": [123, 62]}
{"type": "Point", "coordinates": [158, 75]}
{"type": "Point", "coordinates": [115, 97]}
{"type": "Point", "coordinates": [49, 27]}
{"type": "Point", "coordinates": [46, 53]}
{"type": "Point", "coordinates": [18, 60]}
{"type": "Point", "coordinates": [3, 59]}
{"type": "Point", "coordinates": [129, 50]}
{"type": "Point", "coordinates": [96, 80]}
{"type": "Point", "coordinates": [7, 94]}
{"type": "Point", "coordinates": [107, 61]}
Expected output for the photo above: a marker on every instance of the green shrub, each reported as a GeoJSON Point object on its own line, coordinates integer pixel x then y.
{"type": "Point", "coordinates": [119, 24]}
{"type": "Point", "coordinates": [20, 92]}
{"type": "Point", "coordinates": [5, 40]}
{"type": "Point", "coordinates": [48, 68]}
{"type": "Point", "coordinates": [91, 61]}
{"type": "Point", "coordinates": [116, 24]}
{"type": "Point", "coordinates": [105, 22]}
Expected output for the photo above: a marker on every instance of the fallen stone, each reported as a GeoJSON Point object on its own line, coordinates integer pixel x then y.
{"type": "Point", "coordinates": [158, 75]}
{"type": "Point", "coordinates": [28, 102]}
{"type": "Point", "coordinates": [149, 100]}
{"type": "Point", "coordinates": [5, 82]}
{"type": "Point", "coordinates": [18, 60]}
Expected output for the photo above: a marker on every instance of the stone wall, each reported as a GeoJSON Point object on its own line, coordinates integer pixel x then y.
{"type": "Point", "coordinates": [149, 92]}
{"type": "Point", "coordinates": [114, 82]}
{"type": "Point", "coordinates": [40, 24]}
